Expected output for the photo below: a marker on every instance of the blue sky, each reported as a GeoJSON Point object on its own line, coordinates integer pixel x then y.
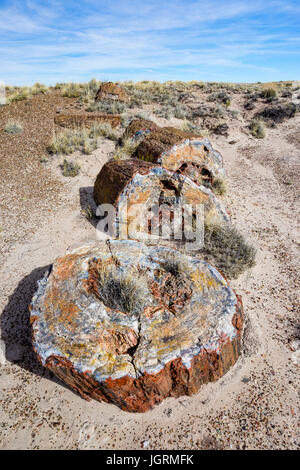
{"type": "Point", "coordinates": [235, 41]}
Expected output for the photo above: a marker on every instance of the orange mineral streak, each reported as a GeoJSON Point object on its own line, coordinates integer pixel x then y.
{"type": "Point", "coordinates": [143, 393]}
{"type": "Point", "coordinates": [194, 196]}
{"type": "Point", "coordinates": [59, 309]}
{"type": "Point", "coordinates": [65, 267]}
{"type": "Point", "coordinates": [185, 153]}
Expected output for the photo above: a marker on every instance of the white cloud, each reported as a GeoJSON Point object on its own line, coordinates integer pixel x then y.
{"type": "Point", "coordinates": [131, 39]}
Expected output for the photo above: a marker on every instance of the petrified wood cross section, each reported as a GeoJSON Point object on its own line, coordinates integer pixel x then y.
{"type": "Point", "coordinates": [128, 184]}
{"type": "Point", "coordinates": [131, 324]}
{"type": "Point", "coordinates": [182, 152]}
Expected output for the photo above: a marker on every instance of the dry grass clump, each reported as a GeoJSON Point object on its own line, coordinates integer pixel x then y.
{"type": "Point", "coordinates": [13, 127]}
{"type": "Point", "coordinates": [257, 129]}
{"type": "Point", "coordinates": [38, 89]}
{"type": "Point", "coordinates": [268, 93]}
{"type": "Point", "coordinates": [249, 105]}
{"type": "Point", "coordinates": [218, 186]}
{"type": "Point", "coordinates": [69, 169]}
{"type": "Point", "coordinates": [104, 129]}
{"type": "Point", "coordinates": [226, 248]}
{"type": "Point", "coordinates": [221, 129]}
{"type": "Point", "coordinates": [220, 97]}
{"type": "Point", "coordinates": [176, 110]}
{"type": "Point", "coordinates": [107, 106]}
{"type": "Point", "coordinates": [126, 291]}
{"type": "Point", "coordinates": [217, 111]}
{"type": "Point", "coordinates": [24, 93]}
{"type": "Point", "coordinates": [147, 92]}
{"type": "Point", "coordinates": [85, 92]}
{"type": "Point", "coordinates": [174, 264]}
{"type": "Point", "coordinates": [188, 126]}
{"type": "Point", "coordinates": [72, 90]}
{"type": "Point", "coordinates": [19, 95]}
{"type": "Point", "coordinates": [126, 149]}
{"type": "Point", "coordinates": [70, 140]}
{"type": "Point", "coordinates": [88, 213]}
{"type": "Point", "coordinates": [85, 140]}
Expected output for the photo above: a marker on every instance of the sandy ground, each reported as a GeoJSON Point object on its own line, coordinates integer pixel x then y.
{"type": "Point", "coordinates": [255, 405]}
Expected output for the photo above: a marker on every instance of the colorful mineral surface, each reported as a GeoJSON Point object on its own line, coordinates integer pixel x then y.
{"type": "Point", "coordinates": [131, 324]}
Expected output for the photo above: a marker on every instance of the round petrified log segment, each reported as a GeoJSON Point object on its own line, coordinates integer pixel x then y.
{"type": "Point", "coordinates": [111, 91]}
{"type": "Point", "coordinates": [132, 324]}
{"type": "Point", "coordinates": [128, 184]}
{"type": "Point", "coordinates": [139, 128]}
{"type": "Point", "coordinates": [182, 152]}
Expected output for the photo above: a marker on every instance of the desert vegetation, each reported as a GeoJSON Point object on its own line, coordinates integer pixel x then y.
{"type": "Point", "coordinates": [13, 127]}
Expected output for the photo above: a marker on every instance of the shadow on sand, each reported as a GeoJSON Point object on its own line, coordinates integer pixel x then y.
{"type": "Point", "coordinates": [16, 329]}
{"type": "Point", "coordinates": [87, 203]}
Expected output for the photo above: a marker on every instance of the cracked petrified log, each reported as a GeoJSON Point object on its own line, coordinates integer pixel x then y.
{"type": "Point", "coordinates": [131, 324]}
{"type": "Point", "coordinates": [112, 91]}
{"type": "Point", "coordinates": [126, 184]}
{"type": "Point", "coordinates": [183, 152]}
{"type": "Point", "coordinates": [86, 120]}
{"type": "Point", "coordinates": [139, 128]}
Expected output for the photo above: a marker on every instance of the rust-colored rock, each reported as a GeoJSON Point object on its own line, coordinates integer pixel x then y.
{"type": "Point", "coordinates": [139, 128]}
{"type": "Point", "coordinates": [86, 119]}
{"type": "Point", "coordinates": [182, 152]}
{"type": "Point", "coordinates": [111, 91]}
{"type": "Point", "coordinates": [180, 328]}
{"type": "Point", "coordinates": [127, 184]}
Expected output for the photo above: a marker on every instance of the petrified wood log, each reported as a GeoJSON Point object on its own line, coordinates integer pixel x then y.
{"type": "Point", "coordinates": [86, 119]}
{"type": "Point", "coordinates": [138, 128]}
{"type": "Point", "coordinates": [132, 324]}
{"type": "Point", "coordinates": [183, 152]}
{"type": "Point", "coordinates": [127, 184]}
{"type": "Point", "coordinates": [112, 91]}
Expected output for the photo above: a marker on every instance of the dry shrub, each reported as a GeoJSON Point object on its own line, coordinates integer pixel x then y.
{"type": "Point", "coordinates": [119, 289]}
{"type": "Point", "coordinates": [226, 248]}
{"type": "Point", "coordinates": [257, 129]}
{"type": "Point", "coordinates": [69, 169]}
